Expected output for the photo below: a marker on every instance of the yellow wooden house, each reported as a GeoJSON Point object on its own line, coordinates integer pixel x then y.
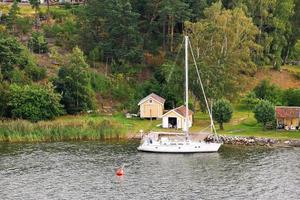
{"type": "Point", "coordinates": [152, 106]}
{"type": "Point", "coordinates": [175, 118]}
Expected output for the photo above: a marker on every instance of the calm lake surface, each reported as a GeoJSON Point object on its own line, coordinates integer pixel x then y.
{"type": "Point", "coordinates": [86, 170]}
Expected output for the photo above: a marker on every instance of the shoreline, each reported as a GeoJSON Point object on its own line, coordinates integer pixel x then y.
{"type": "Point", "coordinates": [256, 141]}
{"type": "Point", "coordinates": [228, 140]}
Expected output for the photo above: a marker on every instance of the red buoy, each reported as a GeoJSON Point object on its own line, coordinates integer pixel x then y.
{"type": "Point", "coordinates": [120, 172]}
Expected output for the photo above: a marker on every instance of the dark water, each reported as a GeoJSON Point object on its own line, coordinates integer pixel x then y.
{"type": "Point", "coordinates": [86, 171]}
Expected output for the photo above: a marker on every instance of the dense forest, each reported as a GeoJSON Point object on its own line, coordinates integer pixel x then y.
{"type": "Point", "coordinates": [108, 54]}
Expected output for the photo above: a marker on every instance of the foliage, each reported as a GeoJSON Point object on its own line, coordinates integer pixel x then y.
{"type": "Point", "coordinates": [225, 47]}
{"type": "Point", "coordinates": [296, 50]}
{"type": "Point", "coordinates": [250, 100]}
{"type": "Point", "coordinates": [37, 43]}
{"type": "Point", "coordinates": [267, 91]}
{"type": "Point", "coordinates": [3, 99]}
{"type": "Point", "coordinates": [24, 24]}
{"type": "Point", "coordinates": [222, 112]}
{"type": "Point", "coordinates": [73, 83]}
{"type": "Point", "coordinates": [35, 4]}
{"type": "Point", "coordinates": [101, 84]}
{"type": "Point", "coordinates": [113, 25]}
{"type": "Point", "coordinates": [59, 14]}
{"type": "Point", "coordinates": [291, 97]}
{"type": "Point", "coordinates": [33, 102]}
{"type": "Point", "coordinates": [95, 55]}
{"type": "Point", "coordinates": [12, 16]}
{"type": "Point", "coordinates": [65, 33]}
{"type": "Point", "coordinates": [264, 112]}
{"type": "Point", "coordinates": [10, 54]}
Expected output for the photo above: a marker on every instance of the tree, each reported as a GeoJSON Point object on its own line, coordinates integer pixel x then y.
{"type": "Point", "coordinates": [10, 54]}
{"type": "Point", "coordinates": [250, 100]}
{"type": "Point", "coordinates": [73, 83]}
{"type": "Point", "coordinates": [222, 112]}
{"type": "Point", "coordinates": [264, 112]}
{"type": "Point", "coordinates": [296, 50]}
{"type": "Point", "coordinates": [35, 4]}
{"type": "Point", "coordinates": [273, 19]}
{"type": "Point", "coordinates": [17, 60]}
{"type": "Point", "coordinates": [172, 13]}
{"type": "Point", "coordinates": [267, 91]}
{"type": "Point", "coordinates": [33, 102]}
{"type": "Point", "coordinates": [113, 25]}
{"type": "Point", "coordinates": [292, 97]}
{"type": "Point", "coordinates": [225, 47]}
{"type": "Point", "coordinates": [12, 16]}
{"type": "Point", "coordinates": [37, 43]}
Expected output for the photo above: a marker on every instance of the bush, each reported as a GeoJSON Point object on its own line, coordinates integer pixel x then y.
{"type": "Point", "coordinates": [37, 43]}
{"type": "Point", "coordinates": [24, 24]}
{"type": "Point", "coordinates": [34, 102]}
{"type": "Point", "coordinates": [264, 112]}
{"type": "Point", "coordinates": [222, 111]}
{"type": "Point", "coordinates": [267, 91]}
{"type": "Point", "coordinates": [59, 14]}
{"type": "Point", "coordinates": [100, 84]}
{"type": "Point", "coordinates": [250, 101]}
{"type": "Point", "coordinates": [292, 97]}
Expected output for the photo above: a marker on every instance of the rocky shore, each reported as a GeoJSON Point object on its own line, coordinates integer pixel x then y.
{"type": "Point", "coordinates": [239, 140]}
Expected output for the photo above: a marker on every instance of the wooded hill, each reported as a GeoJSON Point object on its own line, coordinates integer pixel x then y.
{"type": "Point", "coordinates": [114, 52]}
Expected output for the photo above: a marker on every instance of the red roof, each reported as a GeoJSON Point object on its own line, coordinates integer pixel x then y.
{"type": "Point", "coordinates": [153, 96]}
{"type": "Point", "coordinates": [181, 110]}
{"type": "Point", "coordinates": [287, 112]}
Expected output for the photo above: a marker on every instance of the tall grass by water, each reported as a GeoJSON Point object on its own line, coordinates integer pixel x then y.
{"type": "Point", "coordinates": [60, 130]}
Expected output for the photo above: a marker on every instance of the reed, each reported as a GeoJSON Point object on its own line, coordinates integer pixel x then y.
{"type": "Point", "coordinates": [61, 130]}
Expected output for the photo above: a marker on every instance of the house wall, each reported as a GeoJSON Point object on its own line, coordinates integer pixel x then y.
{"type": "Point", "coordinates": [180, 120]}
{"type": "Point", "coordinates": [288, 121]}
{"type": "Point", "coordinates": [294, 122]}
{"type": "Point", "coordinates": [150, 109]}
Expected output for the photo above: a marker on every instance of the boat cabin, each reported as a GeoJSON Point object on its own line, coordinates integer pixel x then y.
{"type": "Point", "coordinates": [287, 117]}
{"type": "Point", "coordinates": [175, 118]}
{"type": "Point", "coordinates": [152, 106]}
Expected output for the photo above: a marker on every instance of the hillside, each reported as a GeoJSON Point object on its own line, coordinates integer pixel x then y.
{"type": "Point", "coordinates": [284, 78]}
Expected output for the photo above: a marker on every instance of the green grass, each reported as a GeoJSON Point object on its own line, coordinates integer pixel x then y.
{"type": "Point", "coordinates": [295, 70]}
{"type": "Point", "coordinates": [101, 127]}
{"type": "Point", "coordinates": [68, 128]}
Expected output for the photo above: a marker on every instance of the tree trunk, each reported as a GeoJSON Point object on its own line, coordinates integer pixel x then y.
{"type": "Point", "coordinates": [172, 33]}
{"type": "Point", "coordinates": [221, 126]}
{"type": "Point", "coordinates": [164, 34]}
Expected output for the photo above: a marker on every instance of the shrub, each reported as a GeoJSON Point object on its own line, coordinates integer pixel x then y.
{"type": "Point", "coordinates": [292, 97]}
{"type": "Point", "coordinates": [24, 24]}
{"type": "Point", "coordinates": [59, 14]}
{"type": "Point", "coordinates": [100, 84]}
{"type": "Point", "coordinates": [222, 112]}
{"type": "Point", "coordinates": [264, 112]}
{"type": "Point", "coordinates": [34, 102]}
{"type": "Point", "coordinates": [37, 43]}
{"type": "Point", "coordinates": [250, 101]}
{"type": "Point", "coordinates": [267, 91]}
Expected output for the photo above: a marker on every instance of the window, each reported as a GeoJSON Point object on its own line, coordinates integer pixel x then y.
{"type": "Point", "coordinates": [150, 101]}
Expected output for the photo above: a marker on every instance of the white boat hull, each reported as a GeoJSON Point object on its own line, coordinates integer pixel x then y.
{"type": "Point", "coordinates": [192, 147]}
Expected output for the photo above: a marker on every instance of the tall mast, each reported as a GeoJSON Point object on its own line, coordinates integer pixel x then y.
{"type": "Point", "coordinates": [186, 88]}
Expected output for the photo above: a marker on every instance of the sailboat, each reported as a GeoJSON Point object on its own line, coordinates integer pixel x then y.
{"type": "Point", "coordinates": [166, 142]}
